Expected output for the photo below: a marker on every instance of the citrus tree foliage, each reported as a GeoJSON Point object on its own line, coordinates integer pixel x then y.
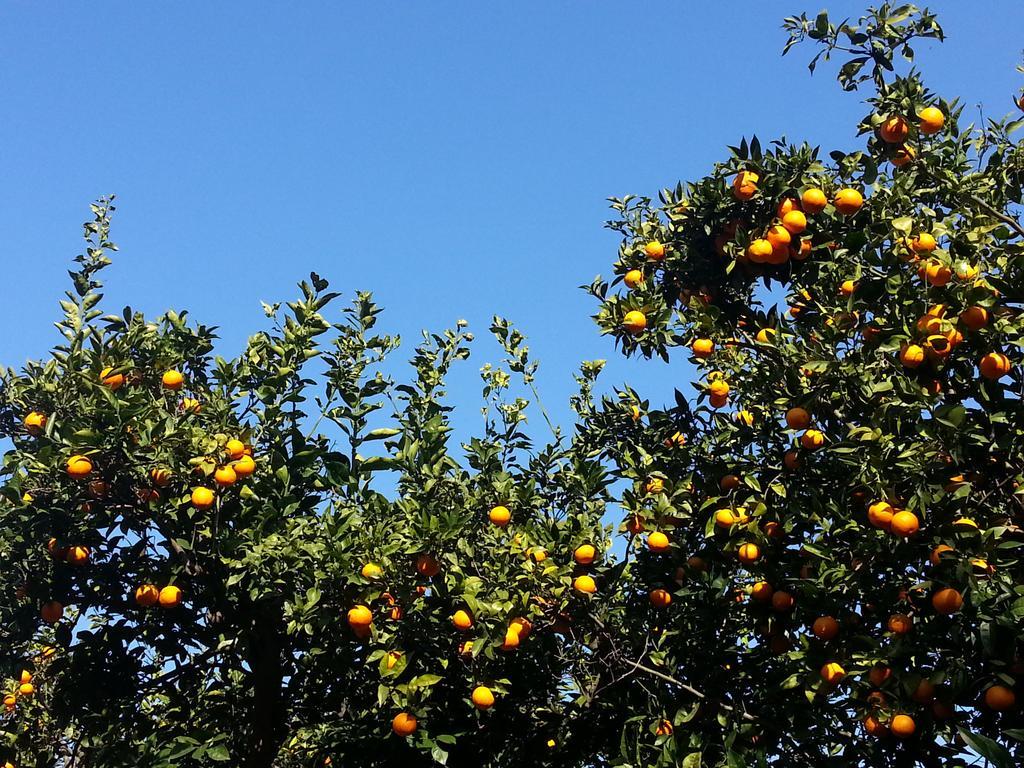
{"type": "Point", "coordinates": [842, 498]}
{"type": "Point", "coordinates": [275, 559]}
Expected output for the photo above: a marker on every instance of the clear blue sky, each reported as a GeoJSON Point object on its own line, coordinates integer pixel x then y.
{"type": "Point", "coordinates": [453, 157]}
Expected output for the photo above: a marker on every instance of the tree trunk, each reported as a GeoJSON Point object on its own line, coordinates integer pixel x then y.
{"type": "Point", "coordinates": [268, 713]}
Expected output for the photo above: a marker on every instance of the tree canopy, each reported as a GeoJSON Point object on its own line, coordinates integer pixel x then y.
{"type": "Point", "coordinates": [813, 558]}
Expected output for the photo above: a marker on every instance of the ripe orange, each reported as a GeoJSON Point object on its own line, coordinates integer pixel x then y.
{"type": "Point", "coordinates": [584, 554]}
{"type": "Point", "coordinates": [994, 366]}
{"type": "Point", "coordinates": [901, 156]}
{"type": "Point", "coordinates": [879, 674]}
{"type": "Point", "coordinates": [911, 355]}
{"type": "Point", "coordinates": [762, 592]}
{"type": "Point", "coordinates": [146, 595]}
{"type": "Point", "coordinates": [202, 498]}
{"type": "Point", "coordinates": [35, 422]}
{"type": "Point", "coordinates": [499, 516]}
{"type": "Point", "coordinates": [172, 380]}
{"type": "Point", "coordinates": [10, 702]}
{"type": "Point", "coordinates": [786, 205]}
{"type": "Point", "coordinates": [766, 336]}
{"type": "Point", "coordinates": [244, 467]}
{"type": "Point", "coordinates": [703, 348]}
{"type": "Point", "coordinates": [657, 541]}
{"type": "Point", "coordinates": [875, 727]}
{"type": "Point", "coordinates": [160, 476]}
{"type": "Point", "coordinates": [791, 460]}
{"type": "Point", "coordinates": [812, 439]}
{"type": "Point", "coordinates": [359, 616]}
{"type": "Point", "coordinates": [759, 251]}
{"type": "Point", "coordinates": [924, 692]}
{"type": "Point", "coordinates": [225, 476]}
{"type": "Point", "coordinates": [746, 418]}
{"type": "Point", "coordinates": [798, 418]}
{"type": "Point", "coordinates": [773, 530]}
{"type": "Point", "coordinates": [191, 405]}
{"type": "Point", "coordinates": [482, 697]}
{"type": "Point", "coordinates": [825, 628]}
{"type": "Point", "coordinates": [26, 677]}
{"type": "Point", "coordinates": [51, 612]}
{"type": "Point", "coordinates": [999, 698]}
{"type": "Point", "coordinates": [110, 379]}
{"type": "Point", "coordinates": [795, 222]}
{"type": "Point", "coordinates": [462, 620]}
{"type": "Point", "coordinates": [847, 287]}
{"type": "Point", "coordinates": [718, 401]}
{"type": "Point", "coordinates": [664, 728]}
{"type": "Point", "coordinates": [659, 598]}
{"type": "Point", "coordinates": [235, 449]}
{"type": "Point", "coordinates": [923, 243]}
{"type": "Point", "coordinates": [79, 467]}
{"type": "Point", "coordinates": [404, 724]}
{"type": "Point", "coordinates": [930, 120]}
{"type": "Point", "coordinates": [654, 485]}
{"type": "Point", "coordinates": [935, 558]}
{"type": "Point", "coordinates": [813, 200]}
{"type": "Point", "coordinates": [633, 278]}
{"type": "Point", "coordinates": [900, 624]}
{"type": "Point", "coordinates": [26, 689]}
{"type": "Point", "coordinates": [880, 515]}
{"type": "Point", "coordinates": [904, 523]}
{"type": "Point", "coordinates": [894, 130]}
{"type": "Point", "coordinates": [427, 566]}
{"type": "Point", "coordinates": [832, 673]}
{"type": "Point", "coordinates": [744, 185]}
{"type": "Point", "coordinates": [77, 555]}
{"type": "Point", "coordinates": [902, 726]}
{"type": "Point", "coordinates": [779, 236]}
{"type": "Point", "coordinates": [718, 388]}
{"type": "Point", "coordinates": [729, 482]}
{"type": "Point", "coordinates": [634, 322]}
{"type": "Point", "coordinates": [782, 601]}
{"type": "Point", "coordinates": [170, 597]}
{"type": "Point", "coordinates": [947, 601]}
{"type": "Point", "coordinates": [935, 273]}
{"type": "Point", "coordinates": [654, 250]}
{"type": "Point", "coordinates": [848, 201]}
{"type": "Point", "coordinates": [584, 584]}
{"type": "Point", "coordinates": [748, 553]}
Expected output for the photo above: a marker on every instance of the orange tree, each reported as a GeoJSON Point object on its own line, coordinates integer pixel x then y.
{"type": "Point", "coordinates": [827, 542]}
{"type": "Point", "coordinates": [206, 560]}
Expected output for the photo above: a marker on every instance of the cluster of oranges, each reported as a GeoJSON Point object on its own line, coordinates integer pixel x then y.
{"type": "Point", "coordinates": [895, 130]}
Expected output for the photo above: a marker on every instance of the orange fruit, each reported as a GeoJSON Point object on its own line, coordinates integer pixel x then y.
{"type": "Point", "coordinates": [718, 401]}
{"type": "Point", "coordinates": [79, 466]}
{"type": "Point", "coordinates": [659, 598]}
{"type": "Point", "coordinates": [703, 348]}
{"type": "Point", "coordinates": [584, 554]}
{"type": "Point", "coordinates": [462, 620]}
{"type": "Point", "coordinates": [894, 130]}
{"type": "Point", "coordinates": [718, 388]}
{"type": "Point", "coordinates": [902, 726]}
{"type": "Point", "coordinates": [791, 460]}
{"type": "Point", "coordinates": [904, 523]}
{"type": "Point", "coordinates": [746, 418]}
{"type": "Point", "coordinates": [832, 673]}
{"type": "Point", "coordinates": [759, 251]}
{"type": "Point", "coordinates": [847, 287]}
{"type": "Point", "coordinates": [584, 584]}
{"type": "Point", "coordinates": [762, 592]}
{"type": "Point", "coordinates": [999, 698]}
{"type": "Point", "coordinates": [35, 422]}
{"type": "Point", "coordinates": [654, 485]}
{"type": "Point", "coordinates": [812, 439]}
{"type": "Point", "coordinates": [766, 336]}
{"type": "Point", "coordinates": [782, 601]}
{"type": "Point", "coordinates": [111, 380]}
{"type": "Point", "coordinates": [482, 697]}
{"type": "Point", "coordinates": [225, 476]}
{"type": "Point", "coordinates": [10, 702]}
{"type": "Point", "coordinates": [499, 516]}
{"type": "Point", "coordinates": [911, 355]}
{"type": "Point", "coordinates": [994, 366]}
{"type": "Point", "coordinates": [795, 222]}
{"type": "Point", "coordinates": [51, 612]}
{"type": "Point", "coordinates": [427, 566]}
{"type": "Point", "coordinates": [359, 616]}
{"type": "Point", "coordinates": [657, 541]}
{"type": "Point", "coordinates": [848, 201]}
{"type": "Point", "coordinates": [371, 571]}
{"type": "Point", "coordinates": [172, 380]}
{"type": "Point", "coordinates": [404, 724]}
{"type": "Point", "coordinates": [634, 322]}
{"type": "Point", "coordinates": [935, 273]}
{"type": "Point", "coordinates": [879, 674]}
{"type": "Point", "coordinates": [935, 558]}
{"type": "Point", "coordinates": [26, 676]}
{"type": "Point", "coordinates": [825, 628]}
{"type": "Point", "coordinates": [779, 236]}
{"type": "Point", "coordinates": [522, 626]}
{"type": "Point", "coordinates": [170, 597]}
{"type": "Point", "coordinates": [664, 728]}
{"type": "Point", "coordinates": [901, 156]}
{"type": "Point", "coordinates": [798, 418]}
{"type": "Point", "coordinates": [147, 595]}
{"type": "Point", "coordinates": [77, 555]}
{"type": "Point", "coordinates": [773, 530]}
{"type": "Point", "coordinates": [26, 689]}
{"type": "Point", "coordinates": [160, 476]}
{"type": "Point", "coordinates": [244, 467]}
{"type": "Point", "coordinates": [947, 601]}
{"type": "Point", "coordinates": [813, 200]}
{"type": "Point", "coordinates": [900, 624]}
{"type": "Point", "coordinates": [654, 250]}
{"type": "Point", "coordinates": [924, 692]}
{"type": "Point", "coordinates": [729, 482]}
{"type": "Point", "coordinates": [786, 205]}
{"type": "Point", "coordinates": [235, 449]}
{"type": "Point", "coordinates": [923, 243]}
{"type": "Point", "coordinates": [930, 120]}
{"type": "Point", "coordinates": [744, 185]}
{"type": "Point", "coordinates": [748, 553]}
{"type": "Point", "coordinates": [633, 278]}
{"type": "Point", "coordinates": [202, 498]}
{"type": "Point", "coordinates": [874, 727]}
{"type": "Point", "coordinates": [880, 515]}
